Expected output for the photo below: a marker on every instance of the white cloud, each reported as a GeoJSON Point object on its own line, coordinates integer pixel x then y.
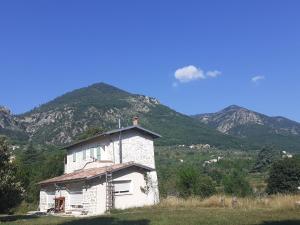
{"type": "Point", "coordinates": [256, 79]}
{"type": "Point", "coordinates": [213, 73]}
{"type": "Point", "coordinates": [189, 73]}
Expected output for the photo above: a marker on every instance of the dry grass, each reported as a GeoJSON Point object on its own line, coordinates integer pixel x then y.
{"type": "Point", "coordinates": [274, 210]}
{"type": "Point", "coordinates": [217, 201]}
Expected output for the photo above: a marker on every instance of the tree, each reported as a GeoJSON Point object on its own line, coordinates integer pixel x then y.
{"type": "Point", "coordinates": [236, 184]}
{"type": "Point", "coordinates": [36, 163]}
{"type": "Point", "coordinates": [29, 167]}
{"type": "Point", "coordinates": [265, 158]}
{"type": "Point", "coordinates": [284, 177]}
{"type": "Point", "coordinates": [10, 188]}
{"type": "Point", "coordinates": [191, 182]}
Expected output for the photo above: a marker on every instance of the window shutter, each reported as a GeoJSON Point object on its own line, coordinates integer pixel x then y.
{"type": "Point", "coordinates": [91, 152]}
{"type": "Point", "coordinates": [98, 153]}
{"type": "Point", "coordinates": [76, 198]}
{"type": "Point", "coordinates": [74, 156]}
{"type": "Point", "coordinates": [84, 154]}
{"type": "Point", "coordinates": [122, 186]}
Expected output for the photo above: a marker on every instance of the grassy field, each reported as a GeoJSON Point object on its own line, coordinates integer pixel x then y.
{"type": "Point", "coordinates": [180, 216]}
{"type": "Point", "coordinates": [272, 211]}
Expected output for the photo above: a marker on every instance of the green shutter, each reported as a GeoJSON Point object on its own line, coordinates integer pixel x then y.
{"type": "Point", "coordinates": [84, 154]}
{"type": "Point", "coordinates": [98, 153]}
{"type": "Point", "coordinates": [91, 152]}
{"type": "Point", "coordinates": [74, 156]}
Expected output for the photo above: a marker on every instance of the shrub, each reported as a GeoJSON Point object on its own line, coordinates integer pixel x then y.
{"type": "Point", "coordinates": [265, 158]}
{"type": "Point", "coordinates": [236, 184]}
{"type": "Point", "coordinates": [10, 188]}
{"type": "Point", "coordinates": [191, 182]}
{"type": "Point", "coordinates": [284, 177]}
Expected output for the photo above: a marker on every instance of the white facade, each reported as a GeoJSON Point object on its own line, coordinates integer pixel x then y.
{"type": "Point", "coordinates": [136, 147]}
{"type": "Point", "coordinates": [133, 186]}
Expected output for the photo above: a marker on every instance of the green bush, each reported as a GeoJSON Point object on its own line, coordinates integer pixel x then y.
{"type": "Point", "coordinates": [10, 187]}
{"type": "Point", "coordinates": [236, 184]}
{"type": "Point", "coordinates": [265, 158]}
{"type": "Point", "coordinates": [35, 164]}
{"type": "Point", "coordinates": [284, 177]}
{"type": "Point", "coordinates": [191, 182]}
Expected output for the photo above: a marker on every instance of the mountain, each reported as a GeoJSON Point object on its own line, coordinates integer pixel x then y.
{"type": "Point", "coordinates": [10, 125]}
{"type": "Point", "coordinates": [100, 105]}
{"type": "Point", "coordinates": [255, 127]}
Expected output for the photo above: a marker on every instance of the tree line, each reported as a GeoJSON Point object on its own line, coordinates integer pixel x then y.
{"type": "Point", "coordinates": [22, 169]}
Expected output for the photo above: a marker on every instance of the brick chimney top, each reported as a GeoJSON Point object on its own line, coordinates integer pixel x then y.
{"type": "Point", "coordinates": [135, 121]}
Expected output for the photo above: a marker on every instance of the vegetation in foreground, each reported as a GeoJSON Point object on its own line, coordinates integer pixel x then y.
{"type": "Point", "coordinates": [182, 172]}
{"type": "Point", "coordinates": [275, 210]}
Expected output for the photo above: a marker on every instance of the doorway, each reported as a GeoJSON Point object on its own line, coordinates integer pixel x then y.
{"type": "Point", "coordinates": [60, 204]}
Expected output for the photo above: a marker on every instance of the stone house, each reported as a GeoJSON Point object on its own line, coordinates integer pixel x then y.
{"type": "Point", "coordinates": [115, 169]}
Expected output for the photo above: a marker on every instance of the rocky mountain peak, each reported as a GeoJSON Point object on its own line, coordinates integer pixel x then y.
{"type": "Point", "coordinates": [245, 123]}
{"type": "Point", "coordinates": [230, 117]}
{"type": "Point", "coordinates": [100, 105]}
{"type": "Point", "coordinates": [7, 120]}
{"type": "Point", "coordinates": [5, 110]}
{"type": "Point", "coordinates": [233, 107]}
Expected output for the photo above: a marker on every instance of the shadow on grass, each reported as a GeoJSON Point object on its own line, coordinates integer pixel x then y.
{"type": "Point", "coordinates": [9, 218]}
{"type": "Point", "coordinates": [76, 221]}
{"type": "Point", "coordinates": [283, 222]}
{"type": "Point", "coordinates": [106, 221]}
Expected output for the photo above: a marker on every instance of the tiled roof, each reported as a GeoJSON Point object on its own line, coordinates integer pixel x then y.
{"type": "Point", "coordinates": [86, 174]}
{"type": "Point", "coordinates": [137, 128]}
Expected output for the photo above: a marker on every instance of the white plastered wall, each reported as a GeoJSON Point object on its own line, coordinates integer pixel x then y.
{"type": "Point", "coordinates": [94, 192]}
{"type": "Point", "coordinates": [136, 147]}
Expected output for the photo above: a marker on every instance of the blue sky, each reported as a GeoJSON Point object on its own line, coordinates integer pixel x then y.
{"type": "Point", "coordinates": [194, 56]}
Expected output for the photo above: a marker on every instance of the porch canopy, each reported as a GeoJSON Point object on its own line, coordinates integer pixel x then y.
{"type": "Point", "coordinates": [88, 174]}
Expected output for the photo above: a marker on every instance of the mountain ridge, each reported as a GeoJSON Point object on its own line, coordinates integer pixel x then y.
{"type": "Point", "coordinates": [101, 105]}
{"type": "Point", "coordinates": [253, 126]}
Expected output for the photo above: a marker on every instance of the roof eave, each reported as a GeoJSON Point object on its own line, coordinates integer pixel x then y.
{"type": "Point", "coordinates": [60, 182]}
{"type": "Point", "coordinates": [98, 175]}
{"type": "Point", "coordinates": [152, 134]}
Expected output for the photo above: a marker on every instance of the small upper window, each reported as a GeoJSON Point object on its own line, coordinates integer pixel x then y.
{"type": "Point", "coordinates": [84, 154]}
{"type": "Point", "coordinates": [92, 153]}
{"type": "Point", "coordinates": [74, 156]}
{"type": "Point", "coordinates": [98, 153]}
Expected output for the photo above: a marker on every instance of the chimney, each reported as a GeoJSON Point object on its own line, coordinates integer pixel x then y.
{"type": "Point", "coordinates": [135, 121]}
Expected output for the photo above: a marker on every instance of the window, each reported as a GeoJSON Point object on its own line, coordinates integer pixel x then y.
{"type": "Point", "coordinates": [98, 153]}
{"type": "Point", "coordinates": [76, 198]}
{"type": "Point", "coordinates": [74, 156]}
{"type": "Point", "coordinates": [122, 187]}
{"type": "Point", "coordinates": [84, 154]}
{"type": "Point", "coordinates": [92, 153]}
{"type": "Point", "coordinates": [50, 199]}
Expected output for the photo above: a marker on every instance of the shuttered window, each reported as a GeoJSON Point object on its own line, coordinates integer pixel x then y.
{"type": "Point", "coordinates": [92, 153]}
{"type": "Point", "coordinates": [84, 154]}
{"type": "Point", "coordinates": [76, 198]}
{"type": "Point", "coordinates": [98, 153]}
{"type": "Point", "coordinates": [122, 187]}
{"type": "Point", "coordinates": [74, 156]}
{"type": "Point", "coordinates": [50, 199]}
